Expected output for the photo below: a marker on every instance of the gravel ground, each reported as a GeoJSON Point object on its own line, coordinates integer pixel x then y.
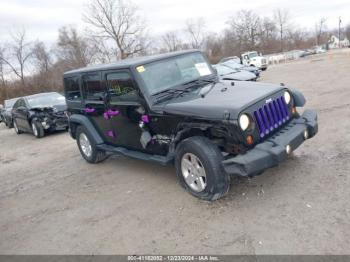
{"type": "Point", "coordinates": [53, 202]}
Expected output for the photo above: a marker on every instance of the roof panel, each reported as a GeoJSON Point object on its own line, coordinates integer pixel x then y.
{"type": "Point", "coordinates": [127, 63]}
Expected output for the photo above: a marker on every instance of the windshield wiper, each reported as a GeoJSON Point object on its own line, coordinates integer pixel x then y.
{"type": "Point", "coordinates": [186, 88]}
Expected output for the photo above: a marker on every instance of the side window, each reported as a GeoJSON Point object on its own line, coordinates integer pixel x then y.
{"type": "Point", "coordinates": [17, 104]}
{"type": "Point", "coordinates": [23, 103]}
{"type": "Point", "coordinates": [72, 89]}
{"type": "Point", "coordinates": [93, 90]}
{"type": "Point", "coordinates": [120, 87]}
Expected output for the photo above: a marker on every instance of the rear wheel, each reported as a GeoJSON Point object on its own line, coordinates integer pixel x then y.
{"type": "Point", "coordinates": [199, 169]}
{"type": "Point", "coordinates": [88, 148]}
{"type": "Point", "coordinates": [37, 129]}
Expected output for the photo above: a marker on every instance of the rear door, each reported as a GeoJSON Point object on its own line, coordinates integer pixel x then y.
{"type": "Point", "coordinates": [94, 94]}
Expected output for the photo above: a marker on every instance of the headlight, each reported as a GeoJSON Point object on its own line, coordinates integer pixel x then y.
{"type": "Point", "coordinates": [287, 97]}
{"type": "Point", "coordinates": [244, 122]}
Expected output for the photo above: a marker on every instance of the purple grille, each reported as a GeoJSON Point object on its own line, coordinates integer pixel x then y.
{"type": "Point", "coordinates": [271, 116]}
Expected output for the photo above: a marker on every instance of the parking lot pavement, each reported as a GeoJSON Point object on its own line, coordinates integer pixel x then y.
{"type": "Point", "coordinates": [53, 202]}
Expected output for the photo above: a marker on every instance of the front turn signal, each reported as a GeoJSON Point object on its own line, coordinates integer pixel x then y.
{"type": "Point", "coordinates": [250, 140]}
{"type": "Point", "coordinates": [294, 110]}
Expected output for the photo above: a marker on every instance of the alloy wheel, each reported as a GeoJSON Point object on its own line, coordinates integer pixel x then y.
{"type": "Point", "coordinates": [85, 145]}
{"type": "Point", "coordinates": [193, 172]}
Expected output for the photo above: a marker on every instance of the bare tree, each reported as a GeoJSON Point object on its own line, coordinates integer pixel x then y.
{"type": "Point", "coordinates": [320, 27]}
{"type": "Point", "coordinates": [282, 18]}
{"type": "Point", "coordinates": [2, 69]}
{"type": "Point", "coordinates": [214, 47]}
{"type": "Point", "coordinates": [103, 50]}
{"type": "Point", "coordinates": [195, 29]}
{"type": "Point", "coordinates": [118, 21]}
{"type": "Point", "coordinates": [245, 27]}
{"type": "Point", "coordinates": [41, 57]}
{"type": "Point", "coordinates": [20, 51]}
{"type": "Point", "coordinates": [73, 49]}
{"type": "Point", "coordinates": [171, 41]}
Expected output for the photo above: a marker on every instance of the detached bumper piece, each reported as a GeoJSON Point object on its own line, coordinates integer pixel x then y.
{"type": "Point", "coordinates": [274, 149]}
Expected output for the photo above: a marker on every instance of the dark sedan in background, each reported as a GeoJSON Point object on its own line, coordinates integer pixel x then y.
{"type": "Point", "coordinates": [6, 114]}
{"type": "Point", "coordinates": [40, 114]}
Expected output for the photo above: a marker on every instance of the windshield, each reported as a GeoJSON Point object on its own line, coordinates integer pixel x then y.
{"type": "Point", "coordinates": [10, 103]}
{"type": "Point", "coordinates": [47, 100]}
{"type": "Point", "coordinates": [224, 70]}
{"type": "Point", "coordinates": [253, 54]}
{"type": "Point", "coordinates": [162, 75]}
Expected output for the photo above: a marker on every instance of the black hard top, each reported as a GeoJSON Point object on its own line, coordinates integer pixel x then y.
{"type": "Point", "coordinates": [128, 63]}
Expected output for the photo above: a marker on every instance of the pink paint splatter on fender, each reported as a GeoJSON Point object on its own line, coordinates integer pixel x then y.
{"type": "Point", "coordinates": [145, 118]}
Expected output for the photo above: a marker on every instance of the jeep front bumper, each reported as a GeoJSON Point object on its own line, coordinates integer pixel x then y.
{"type": "Point", "coordinates": [274, 150]}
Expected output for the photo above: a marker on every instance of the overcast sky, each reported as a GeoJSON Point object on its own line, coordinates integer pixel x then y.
{"type": "Point", "coordinates": [42, 18]}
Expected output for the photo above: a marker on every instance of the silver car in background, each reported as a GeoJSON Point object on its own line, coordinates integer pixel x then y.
{"type": "Point", "coordinates": [227, 73]}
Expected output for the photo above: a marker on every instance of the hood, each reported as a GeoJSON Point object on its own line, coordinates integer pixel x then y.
{"type": "Point", "coordinates": [250, 68]}
{"type": "Point", "coordinates": [222, 98]}
{"type": "Point", "coordinates": [54, 108]}
{"type": "Point", "coordinates": [240, 76]}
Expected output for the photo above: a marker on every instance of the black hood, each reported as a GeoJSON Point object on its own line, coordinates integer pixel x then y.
{"type": "Point", "coordinates": [222, 98]}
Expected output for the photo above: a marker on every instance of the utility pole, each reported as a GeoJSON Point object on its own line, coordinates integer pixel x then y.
{"type": "Point", "coordinates": [339, 31]}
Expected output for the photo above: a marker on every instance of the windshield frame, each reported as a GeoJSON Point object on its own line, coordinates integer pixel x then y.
{"type": "Point", "coordinates": [151, 98]}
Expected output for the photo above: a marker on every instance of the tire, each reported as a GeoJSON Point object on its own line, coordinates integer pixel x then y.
{"type": "Point", "coordinates": [37, 129]}
{"type": "Point", "coordinates": [92, 154]}
{"type": "Point", "coordinates": [17, 130]}
{"type": "Point", "coordinates": [206, 156]}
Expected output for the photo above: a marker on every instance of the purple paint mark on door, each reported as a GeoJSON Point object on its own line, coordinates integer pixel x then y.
{"type": "Point", "coordinates": [89, 110]}
{"type": "Point", "coordinates": [145, 118]}
{"type": "Point", "coordinates": [110, 134]}
{"type": "Point", "coordinates": [105, 115]}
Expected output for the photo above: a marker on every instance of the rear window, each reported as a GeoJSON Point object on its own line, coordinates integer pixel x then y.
{"type": "Point", "coordinates": [72, 90]}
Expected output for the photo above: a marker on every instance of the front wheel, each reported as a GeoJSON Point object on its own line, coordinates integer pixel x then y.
{"type": "Point", "coordinates": [37, 129]}
{"type": "Point", "coordinates": [88, 148]}
{"type": "Point", "coordinates": [199, 169]}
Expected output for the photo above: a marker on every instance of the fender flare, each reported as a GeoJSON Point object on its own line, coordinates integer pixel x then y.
{"type": "Point", "coordinates": [84, 121]}
{"type": "Point", "coordinates": [299, 99]}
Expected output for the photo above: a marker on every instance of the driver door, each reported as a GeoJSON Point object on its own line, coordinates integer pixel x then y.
{"type": "Point", "coordinates": [20, 113]}
{"type": "Point", "coordinates": [124, 101]}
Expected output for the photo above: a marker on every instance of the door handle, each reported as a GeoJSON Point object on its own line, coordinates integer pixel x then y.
{"type": "Point", "coordinates": [110, 113]}
{"type": "Point", "coordinates": [89, 110]}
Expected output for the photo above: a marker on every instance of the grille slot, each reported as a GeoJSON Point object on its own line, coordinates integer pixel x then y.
{"type": "Point", "coordinates": [271, 116]}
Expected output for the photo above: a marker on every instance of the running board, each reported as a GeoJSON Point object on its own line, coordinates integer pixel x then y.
{"type": "Point", "coordinates": [163, 160]}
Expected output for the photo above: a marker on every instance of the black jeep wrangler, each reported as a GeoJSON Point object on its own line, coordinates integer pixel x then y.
{"type": "Point", "coordinates": [172, 108]}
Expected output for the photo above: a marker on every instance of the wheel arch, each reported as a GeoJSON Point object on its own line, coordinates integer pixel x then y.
{"type": "Point", "coordinates": [80, 120]}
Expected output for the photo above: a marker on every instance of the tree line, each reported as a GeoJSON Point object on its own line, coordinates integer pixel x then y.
{"type": "Point", "coordinates": [116, 30]}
